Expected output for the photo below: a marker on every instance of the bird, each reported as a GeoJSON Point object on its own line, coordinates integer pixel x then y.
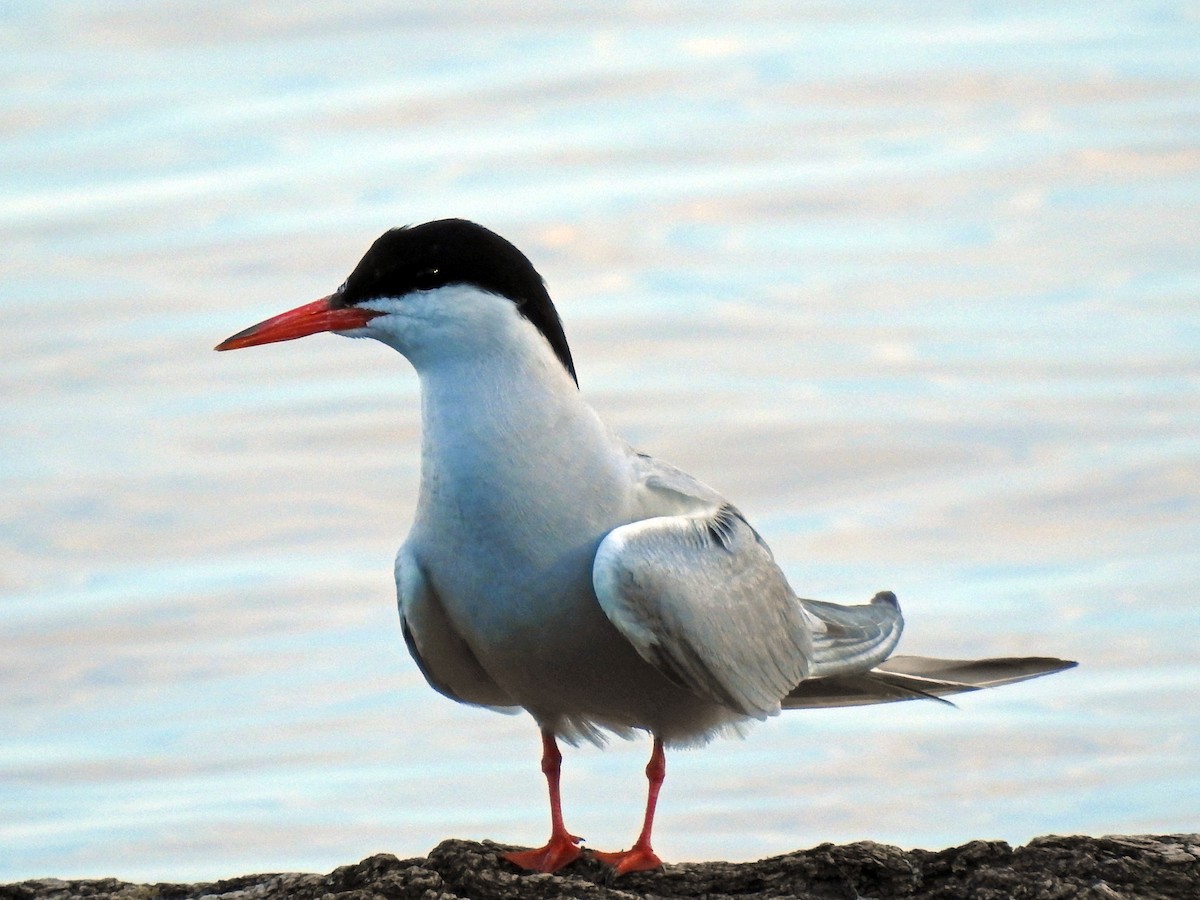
{"type": "Point", "coordinates": [552, 567]}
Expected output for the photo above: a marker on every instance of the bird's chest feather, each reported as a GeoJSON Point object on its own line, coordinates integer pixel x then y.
{"type": "Point", "coordinates": [514, 501]}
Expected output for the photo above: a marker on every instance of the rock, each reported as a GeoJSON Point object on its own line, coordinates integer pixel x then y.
{"type": "Point", "coordinates": [1164, 867]}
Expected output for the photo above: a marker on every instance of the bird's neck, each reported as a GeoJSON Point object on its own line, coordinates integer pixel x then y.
{"type": "Point", "coordinates": [508, 439]}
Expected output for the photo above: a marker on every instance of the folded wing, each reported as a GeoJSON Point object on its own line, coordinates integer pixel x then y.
{"type": "Point", "coordinates": [700, 598]}
{"type": "Point", "coordinates": [697, 592]}
{"type": "Point", "coordinates": [918, 678]}
{"type": "Point", "coordinates": [440, 652]}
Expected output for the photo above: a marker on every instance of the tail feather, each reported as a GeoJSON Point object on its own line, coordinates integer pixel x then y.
{"type": "Point", "coordinates": [918, 678]}
{"type": "Point", "coordinates": [851, 639]}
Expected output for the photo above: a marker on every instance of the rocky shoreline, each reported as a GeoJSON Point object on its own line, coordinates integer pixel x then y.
{"type": "Point", "coordinates": [1047, 868]}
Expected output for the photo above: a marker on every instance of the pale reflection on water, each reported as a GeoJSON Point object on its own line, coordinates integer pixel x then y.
{"type": "Point", "coordinates": [919, 292]}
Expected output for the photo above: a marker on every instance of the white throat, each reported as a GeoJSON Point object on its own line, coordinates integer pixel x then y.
{"type": "Point", "coordinates": [511, 454]}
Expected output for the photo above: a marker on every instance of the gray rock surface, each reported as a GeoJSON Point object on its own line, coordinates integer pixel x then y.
{"type": "Point", "coordinates": [1048, 868]}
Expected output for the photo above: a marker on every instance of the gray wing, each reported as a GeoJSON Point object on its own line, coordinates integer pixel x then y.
{"type": "Point", "coordinates": [444, 658]}
{"type": "Point", "coordinates": [699, 596]}
{"type": "Point", "coordinates": [919, 678]}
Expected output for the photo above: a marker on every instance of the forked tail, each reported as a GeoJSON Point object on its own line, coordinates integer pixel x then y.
{"type": "Point", "coordinates": [852, 639]}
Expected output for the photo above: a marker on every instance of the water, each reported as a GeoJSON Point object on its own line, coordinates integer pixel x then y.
{"type": "Point", "coordinates": [918, 289]}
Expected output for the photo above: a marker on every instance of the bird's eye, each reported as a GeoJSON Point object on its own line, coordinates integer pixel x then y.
{"type": "Point", "coordinates": [427, 279]}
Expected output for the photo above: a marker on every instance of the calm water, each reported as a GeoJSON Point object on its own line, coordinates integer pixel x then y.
{"type": "Point", "coordinates": [918, 288]}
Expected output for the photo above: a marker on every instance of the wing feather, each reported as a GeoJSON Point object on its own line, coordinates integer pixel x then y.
{"type": "Point", "coordinates": [919, 678]}
{"type": "Point", "coordinates": [440, 652]}
{"type": "Point", "coordinates": [700, 598]}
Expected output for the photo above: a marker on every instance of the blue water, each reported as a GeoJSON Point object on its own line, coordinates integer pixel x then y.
{"type": "Point", "coordinates": [919, 289]}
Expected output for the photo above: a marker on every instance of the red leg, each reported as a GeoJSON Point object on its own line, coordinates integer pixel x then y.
{"type": "Point", "coordinates": [641, 856]}
{"type": "Point", "coordinates": [562, 848]}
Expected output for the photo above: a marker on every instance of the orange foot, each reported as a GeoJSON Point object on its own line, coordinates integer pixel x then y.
{"type": "Point", "coordinates": [639, 858]}
{"type": "Point", "coordinates": [560, 851]}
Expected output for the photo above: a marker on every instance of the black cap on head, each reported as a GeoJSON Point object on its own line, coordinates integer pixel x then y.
{"type": "Point", "coordinates": [455, 251]}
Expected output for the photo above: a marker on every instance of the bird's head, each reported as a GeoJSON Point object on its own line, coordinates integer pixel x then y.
{"type": "Point", "coordinates": [430, 287]}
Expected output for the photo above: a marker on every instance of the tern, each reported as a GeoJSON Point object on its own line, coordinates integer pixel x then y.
{"type": "Point", "coordinates": [552, 567]}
